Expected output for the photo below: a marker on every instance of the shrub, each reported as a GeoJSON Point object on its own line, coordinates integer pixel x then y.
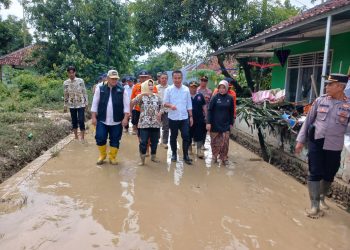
{"type": "Point", "coordinates": [4, 92]}
{"type": "Point", "coordinates": [27, 84]}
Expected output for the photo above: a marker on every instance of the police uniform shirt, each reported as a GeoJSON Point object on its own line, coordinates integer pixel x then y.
{"type": "Point", "coordinates": [330, 118]}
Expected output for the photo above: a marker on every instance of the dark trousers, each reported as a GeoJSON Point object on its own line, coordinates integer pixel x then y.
{"type": "Point", "coordinates": [149, 134]}
{"type": "Point", "coordinates": [78, 116]}
{"type": "Point", "coordinates": [103, 131]}
{"type": "Point", "coordinates": [135, 117]}
{"type": "Point", "coordinates": [323, 164]}
{"type": "Point", "coordinates": [198, 132]}
{"type": "Point", "coordinates": [165, 128]}
{"type": "Point", "coordinates": [184, 127]}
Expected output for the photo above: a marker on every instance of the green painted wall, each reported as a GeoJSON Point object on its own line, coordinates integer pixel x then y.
{"type": "Point", "coordinates": [341, 52]}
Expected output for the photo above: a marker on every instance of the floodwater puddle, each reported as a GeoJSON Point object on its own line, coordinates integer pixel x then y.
{"type": "Point", "coordinates": [73, 204]}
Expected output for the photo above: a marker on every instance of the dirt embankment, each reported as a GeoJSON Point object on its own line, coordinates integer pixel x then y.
{"type": "Point", "coordinates": [24, 136]}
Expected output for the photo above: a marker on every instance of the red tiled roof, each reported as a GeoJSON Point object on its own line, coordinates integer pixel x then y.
{"type": "Point", "coordinates": [321, 9]}
{"type": "Point", "coordinates": [18, 57]}
{"type": "Point", "coordinates": [213, 64]}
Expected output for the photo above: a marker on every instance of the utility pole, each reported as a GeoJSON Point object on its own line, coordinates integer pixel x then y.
{"type": "Point", "coordinates": [24, 26]}
{"type": "Point", "coordinates": [109, 42]}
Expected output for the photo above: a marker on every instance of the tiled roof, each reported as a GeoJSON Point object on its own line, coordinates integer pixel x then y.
{"type": "Point", "coordinates": [18, 57]}
{"type": "Point", "coordinates": [318, 10]}
{"type": "Point", "coordinates": [211, 64]}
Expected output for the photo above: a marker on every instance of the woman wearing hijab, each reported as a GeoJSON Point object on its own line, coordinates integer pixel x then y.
{"type": "Point", "coordinates": [151, 111]}
{"type": "Point", "coordinates": [220, 121]}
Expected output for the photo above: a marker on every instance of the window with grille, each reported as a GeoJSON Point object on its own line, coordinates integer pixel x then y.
{"type": "Point", "coordinates": [299, 70]}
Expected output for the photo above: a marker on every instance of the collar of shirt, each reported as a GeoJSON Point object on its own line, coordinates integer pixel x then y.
{"type": "Point", "coordinates": [163, 87]}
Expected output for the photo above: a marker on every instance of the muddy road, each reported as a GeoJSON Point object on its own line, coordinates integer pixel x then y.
{"type": "Point", "coordinates": [70, 203]}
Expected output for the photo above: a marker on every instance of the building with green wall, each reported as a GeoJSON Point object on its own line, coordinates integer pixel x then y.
{"type": "Point", "coordinates": [310, 57]}
{"type": "Point", "coordinates": [322, 31]}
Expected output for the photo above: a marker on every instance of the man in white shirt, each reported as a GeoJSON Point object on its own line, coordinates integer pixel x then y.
{"type": "Point", "coordinates": [161, 87]}
{"type": "Point", "coordinates": [110, 111]}
{"type": "Point", "coordinates": [128, 88]}
{"type": "Point", "coordinates": [178, 100]}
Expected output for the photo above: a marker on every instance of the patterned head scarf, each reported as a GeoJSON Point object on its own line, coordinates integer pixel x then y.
{"type": "Point", "coordinates": [145, 87]}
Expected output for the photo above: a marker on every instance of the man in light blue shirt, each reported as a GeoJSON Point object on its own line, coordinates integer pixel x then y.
{"type": "Point", "coordinates": [178, 99]}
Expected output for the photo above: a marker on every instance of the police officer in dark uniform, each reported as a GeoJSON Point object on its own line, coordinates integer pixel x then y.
{"type": "Point", "coordinates": [325, 127]}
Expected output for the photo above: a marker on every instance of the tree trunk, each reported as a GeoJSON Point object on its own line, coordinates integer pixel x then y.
{"type": "Point", "coordinates": [264, 152]}
{"type": "Point", "coordinates": [221, 60]}
{"type": "Point", "coordinates": [236, 85]}
{"type": "Point", "coordinates": [248, 75]}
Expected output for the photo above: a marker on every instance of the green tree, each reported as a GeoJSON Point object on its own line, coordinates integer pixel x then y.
{"type": "Point", "coordinates": [159, 62]}
{"type": "Point", "coordinates": [98, 28]}
{"type": "Point", "coordinates": [213, 77]}
{"type": "Point", "coordinates": [11, 35]}
{"type": "Point", "coordinates": [217, 23]}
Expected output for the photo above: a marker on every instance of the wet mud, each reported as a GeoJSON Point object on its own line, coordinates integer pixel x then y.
{"type": "Point", "coordinates": [71, 203]}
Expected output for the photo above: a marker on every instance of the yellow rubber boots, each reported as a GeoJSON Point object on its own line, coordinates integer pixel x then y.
{"type": "Point", "coordinates": [103, 154]}
{"type": "Point", "coordinates": [113, 155]}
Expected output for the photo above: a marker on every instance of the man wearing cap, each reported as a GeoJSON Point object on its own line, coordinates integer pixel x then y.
{"type": "Point", "coordinates": [129, 85]}
{"type": "Point", "coordinates": [136, 90]}
{"type": "Point", "coordinates": [110, 111]}
{"type": "Point", "coordinates": [324, 128]}
{"type": "Point", "coordinates": [178, 100]}
{"type": "Point", "coordinates": [161, 87]}
{"type": "Point", "coordinates": [198, 131]}
{"type": "Point", "coordinates": [128, 88]}
{"type": "Point", "coordinates": [158, 78]}
{"type": "Point", "coordinates": [204, 90]}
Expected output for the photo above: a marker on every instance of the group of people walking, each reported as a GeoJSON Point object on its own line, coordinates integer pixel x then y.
{"type": "Point", "coordinates": [195, 110]}
{"type": "Point", "coordinates": [155, 111]}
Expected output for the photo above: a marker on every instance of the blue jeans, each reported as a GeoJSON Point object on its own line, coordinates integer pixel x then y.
{"type": "Point", "coordinates": [184, 127]}
{"type": "Point", "coordinates": [323, 164]}
{"type": "Point", "coordinates": [78, 116]}
{"type": "Point", "coordinates": [147, 134]}
{"type": "Point", "coordinates": [102, 131]}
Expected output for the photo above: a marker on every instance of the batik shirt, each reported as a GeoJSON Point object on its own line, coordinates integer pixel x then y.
{"type": "Point", "coordinates": [206, 92]}
{"type": "Point", "coordinates": [75, 95]}
{"type": "Point", "coordinates": [150, 106]}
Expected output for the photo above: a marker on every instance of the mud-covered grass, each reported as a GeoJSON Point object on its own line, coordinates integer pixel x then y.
{"type": "Point", "coordinates": [23, 137]}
